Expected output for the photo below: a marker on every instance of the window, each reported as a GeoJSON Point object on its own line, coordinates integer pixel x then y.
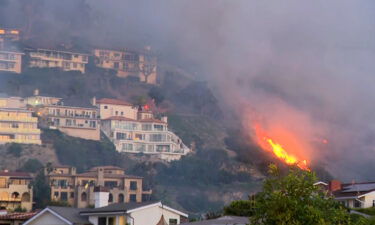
{"type": "Point", "coordinates": [127, 147]}
{"type": "Point", "coordinates": [71, 194]}
{"type": "Point", "coordinates": [157, 137]}
{"type": "Point", "coordinates": [116, 65]}
{"type": "Point", "coordinates": [139, 136]}
{"type": "Point", "coordinates": [133, 198]}
{"type": "Point", "coordinates": [133, 185]}
{"type": "Point", "coordinates": [15, 125]}
{"type": "Point", "coordinates": [64, 196]}
{"type": "Point", "coordinates": [120, 136]}
{"type": "Point", "coordinates": [172, 221]}
{"type": "Point", "coordinates": [373, 203]}
{"type": "Point", "coordinates": [93, 124]}
{"type": "Point", "coordinates": [357, 204]}
{"type": "Point", "coordinates": [162, 148]}
{"type": "Point", "coordinates": [105, 107]}
{"type": "Point", "coordinates": [110, 184]}
{"type": "Point", "coordinates": [83, 197]}
{"type": "Point", "coordinates": [111, 221]}
{"type": "Point", "coordinates": [146, 127]}
{"type": "Point", "coordinates": [102, 221]}
{"type": "Point", "coordinates": [121, 198]}
{"type": "Point", "coordinates": [56, 194]}
{"type": "Point", "coordinates": [110, 198]}
{"type": "Point", "coordinates": [158, 127]}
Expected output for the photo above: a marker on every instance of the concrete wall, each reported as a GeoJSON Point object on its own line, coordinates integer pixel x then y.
{"type": "Point", "coordinates": [122, 110]}
{"type": "Point", "coordinates": [89, 134]}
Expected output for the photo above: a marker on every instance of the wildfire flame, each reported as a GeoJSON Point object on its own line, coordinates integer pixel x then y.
{"type": "Point", "coordinates": [279, 151]}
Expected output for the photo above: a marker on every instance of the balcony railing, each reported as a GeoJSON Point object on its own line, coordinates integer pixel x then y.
{"type": "Point", "coordinates": [20, 130]}
{"type": "Point", "coordinates": [19, 119]}
{"type": "Point", "coordinates": [21, 141]}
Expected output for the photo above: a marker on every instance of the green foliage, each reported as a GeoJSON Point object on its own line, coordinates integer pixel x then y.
{"type": "Point", "coordinates": [80, 153]}
{"type": "Point", "coordinates": [41, 190]}
{"type": "Point", "coordinates": [32, 166]}
{"type": "Point", "coordinates": [368, 211]}
{"type": "Point", "coordinates": [239, 208]}
{"type": "Point", "coordinates": [19, 209]}
{"type": "Point", "coordinates": [202, 169]}
{"type": "Point", "coordinates": [293, 199]}
{"type": "Point", "coordinates": [15, 150]}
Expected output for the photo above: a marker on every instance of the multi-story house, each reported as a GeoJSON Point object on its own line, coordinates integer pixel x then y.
{"type": "Point", "coordinates": [141, 64]}
{"type": "Point", "coordinates": [49, 58]}
{"type": "Point", "coordinates": [82, 122]}
{"type": "Point", "coordinates": [17, 125]}
{"type": "Point", "coordinates": [7, 35]}
{"type": "Point", "coordinates": [15, 190]}
{"type": "Point", "coordinates": [115, 107]}
{"type": "Point", "coordinates": [78, 189]}
{"type": "Point", "coordinates": [11, 61]}
{"type": "Point", "coordinates": [39, 100]}
{"type": "Point", "coordinates": [148, 136]}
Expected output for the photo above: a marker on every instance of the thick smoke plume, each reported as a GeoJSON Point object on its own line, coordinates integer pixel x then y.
{"type": "Point", "coordinates": [303, 66]}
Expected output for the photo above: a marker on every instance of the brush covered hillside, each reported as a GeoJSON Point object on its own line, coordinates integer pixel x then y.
{"type": "Point", "coordinates": [221, 168]}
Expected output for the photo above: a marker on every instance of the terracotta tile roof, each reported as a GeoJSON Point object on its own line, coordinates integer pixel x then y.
{"type": "Point", "coordinates": [18, 216]}
{"type": "Point", "coordinates": [112, 101]}
{"type": "Point", "coordinates": [15, 174]}
{"type": "Point", "coordinates": [121, 118]}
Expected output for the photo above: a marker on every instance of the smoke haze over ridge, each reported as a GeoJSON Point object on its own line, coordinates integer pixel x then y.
{"type": "Point", "coordinates": [303, 65]}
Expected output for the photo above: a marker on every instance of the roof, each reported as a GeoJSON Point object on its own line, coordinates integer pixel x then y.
{"type": "Point", "coordinates": [225, 220]}
{"type": "Point", "coordinates": [118, 207]}
{"type": "Point", "coordinates": [67, 214]}
{"type": "Point", "coordinates": [106, 168]}
{"type": "Point", "coordinates": [112, 101]}
{"type": "Point", "coordinates": [18, 216]}
{"type": "Point", "coordinates": [120, 118]}
{"type": "Point", "coordinates": [129, 208]}
{"type": "Point", "coordinates": [15, 174]}
{"type": "Point", "coordinates": [106, 175]}
{"type": "Point", "coordinates": [354, 190]}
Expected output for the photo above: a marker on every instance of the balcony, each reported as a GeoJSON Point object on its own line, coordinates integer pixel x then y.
{"type": "Point", "coordinates": [19, 119]}
{"type": "Point", "coordinates": [20, 130]}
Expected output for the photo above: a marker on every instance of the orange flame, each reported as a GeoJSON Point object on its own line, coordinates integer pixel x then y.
{"type": "Point", "coordinates": [279, 151]}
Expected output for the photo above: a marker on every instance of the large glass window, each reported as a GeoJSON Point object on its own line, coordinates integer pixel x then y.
{"type": "Point", "coordinates": [133, 185]}
{"type": "Point", "coordinates": [133, 198]}
{"type": "Point", "coordinates": [146, 126]}
{"type": "Point", "coordinates": [127, 147]}
{"type": "Point", "coordinates": [158, 127]}
{"type": "Point", "coordinates": [157, 137]}
{"type": "Point", "coordinates": [110, 184]}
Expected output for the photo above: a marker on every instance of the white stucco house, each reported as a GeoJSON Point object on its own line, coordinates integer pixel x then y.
{"type": "Point", "coordinates": [351, 195]}
{"type": "Point", "coordinates": [115, 214]}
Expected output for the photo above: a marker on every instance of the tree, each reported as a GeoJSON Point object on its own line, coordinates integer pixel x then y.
{"type": "Point", "coordinates": [157, 94]}
{"type": "Point", "coordinates": [32, 166]}
{"type": "Point", "coordinates": [239, 208]}
{"type": "Point", "coordinates": [15, 150]}
{"type": "Point", "coordinates": [41, 190]}
{"type": "Point", "coordinates": [293, 199]}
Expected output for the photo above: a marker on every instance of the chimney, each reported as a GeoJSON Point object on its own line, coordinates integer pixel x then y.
{"type": "Point", "coordinates": [334, 185]}
{"type": "Point", "coordinates": [93, 101]}
{"type": "Point", "coordinates": [101, 196]}
{"type": "Point", "coordinates": [36, 92]}
{"type": "Point", "coordinates": [100, 176]}
{"type": "Point", "coordinates": [164, 119]}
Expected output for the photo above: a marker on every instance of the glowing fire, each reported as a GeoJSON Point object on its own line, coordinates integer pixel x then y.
{"type": "Point", "coordinates": [279, 151]}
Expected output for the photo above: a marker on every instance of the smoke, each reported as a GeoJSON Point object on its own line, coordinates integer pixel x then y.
{"type": "Point", "coordinates": [305, 66]}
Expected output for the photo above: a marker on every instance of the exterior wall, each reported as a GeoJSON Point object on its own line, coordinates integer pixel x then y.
{"type": "Point", "coordinates": [119, 219]}
{"type": "Point", "coordinates": [152, 215]}
{"type": "Point", "coordinates": [12, 102]}
{"type": "Point", "coordinates": [9, 34]}
{"type": "Point", "coordinates": [10, 201]}
{"type": "Point", "coordinates": [136, 137]}
{"type": "Point", "coordinates": [18, 126]}
{"type": "Point", "coordinates": [47, 218]}
{"type": "Point", "coordinates": [75, 185]}
{"type": "Point", "coordinates": [108, 110]}
{"type": "Point", "coordinates": [11, 61]}
{"type": "Point", "coordinates": [74, 121]}
{"type": "Point", "coordinates": [11, 222]}
{"type": "Point", "coordinates": [41, 100]}
{"type": "Point", "coordinates": [67, 61]}
{"type": "Point", "coordinates": [368, 200]}
{"type": "Point", "coordinates": [128, 63]}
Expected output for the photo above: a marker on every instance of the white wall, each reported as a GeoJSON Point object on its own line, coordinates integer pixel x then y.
{"type": "Point", "coordinates": [47, 218]}
{"type": "Point", "coordinates": [152, 215]}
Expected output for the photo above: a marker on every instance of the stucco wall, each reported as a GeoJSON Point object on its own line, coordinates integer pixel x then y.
{"type": "Point", "coordinates": [152, 216]}
{"type": "Point", "coordinates": [47, 219]}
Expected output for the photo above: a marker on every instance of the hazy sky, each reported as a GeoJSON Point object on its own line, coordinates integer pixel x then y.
{"type": "Point", "coordinates": [305, 66]}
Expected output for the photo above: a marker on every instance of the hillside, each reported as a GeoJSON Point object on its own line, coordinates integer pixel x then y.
{"type": "Point", "coordinates": [191, 183]}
